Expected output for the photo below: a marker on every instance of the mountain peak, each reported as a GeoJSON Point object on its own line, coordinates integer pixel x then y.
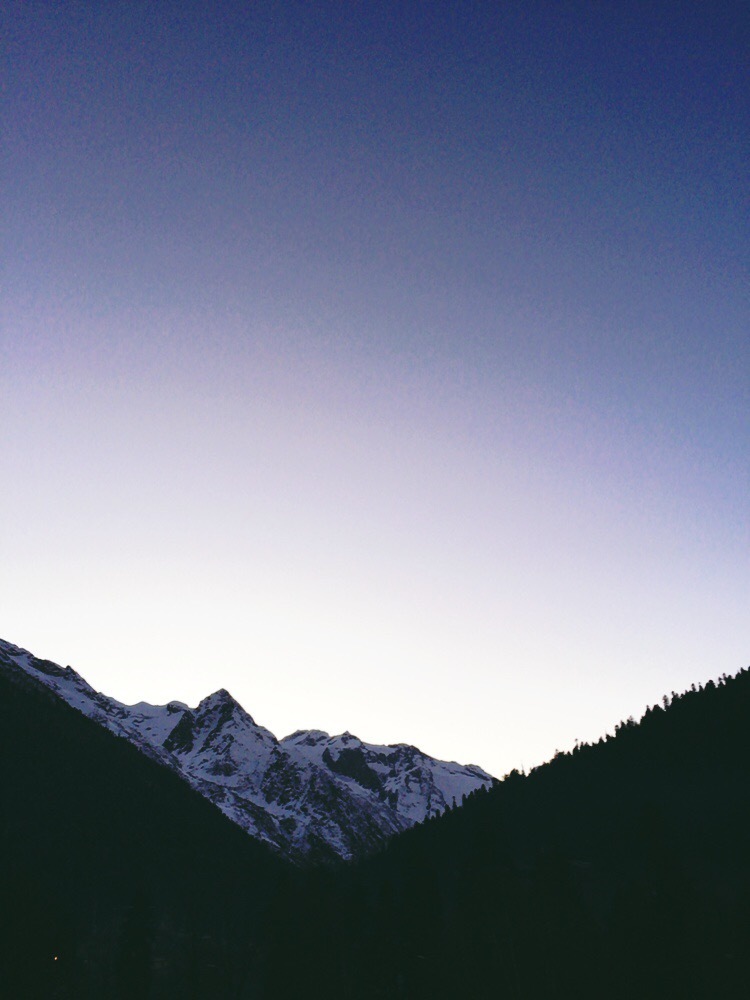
{"type": "Point", "coordinates": [227, 706]}
{"type": "Point", "coordinates": [308, 737]}
{"type": "Point", "coordinates": [218, 698]}
{"type": "Point", "coordinates": [310, 796]}
{"type": "Point", "coordinates": [348, 737]}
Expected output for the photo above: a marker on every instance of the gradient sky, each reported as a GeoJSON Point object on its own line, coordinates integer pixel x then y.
{"type": "Point", "coordinates": [387, 364]}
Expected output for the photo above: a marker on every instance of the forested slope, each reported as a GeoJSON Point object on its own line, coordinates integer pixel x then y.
{"type": "Point", "coordinates": [621, 869]}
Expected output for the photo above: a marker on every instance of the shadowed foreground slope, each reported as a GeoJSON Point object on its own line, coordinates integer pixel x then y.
{"type": "Point", "coordinates": [619, 870]}
{"type": "Point", "coordinates": [116, 879]}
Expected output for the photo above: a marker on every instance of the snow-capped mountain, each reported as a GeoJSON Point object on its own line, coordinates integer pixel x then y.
{"type": "Point", "coordinates": [310, 796]}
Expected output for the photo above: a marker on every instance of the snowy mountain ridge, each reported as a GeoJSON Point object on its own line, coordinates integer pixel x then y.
{"type": "Point", "coordinates": [310, 796]}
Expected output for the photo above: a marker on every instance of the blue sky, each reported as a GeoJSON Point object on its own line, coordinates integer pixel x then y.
{"type": "Point", "coordinates": [385, 364]}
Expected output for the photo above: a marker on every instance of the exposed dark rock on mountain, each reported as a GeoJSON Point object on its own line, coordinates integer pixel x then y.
{"type": "Point", "coordinates": [311, 796]}
{"type": "Point", "coordinates": [618, 870]}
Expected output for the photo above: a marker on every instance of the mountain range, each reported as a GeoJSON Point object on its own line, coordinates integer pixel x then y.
{"type": "Point", "coordinates": [310, 796]}
{"type": "Point", "coordinates": [619, 869]}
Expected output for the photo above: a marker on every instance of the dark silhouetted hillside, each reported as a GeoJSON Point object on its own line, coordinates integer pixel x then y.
{"type": "Point", "coordinates": [619, 870]}
{"type": "Point", "coordinates": [116, 879]}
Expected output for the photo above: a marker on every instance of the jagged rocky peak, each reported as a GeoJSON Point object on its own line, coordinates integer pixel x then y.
{"type": "Point", "coordinates": [218, 698]}
{"type": "Point", "coordinates": [348, 740]}
{"type": "Point", "coordinates": [307, 737]}
{"type": "Point", "coordinates": [11, 649]}
{"type": "Point", "coordinates": [223, 702]}
{"type": "Point", "coordinates": [46, 667]}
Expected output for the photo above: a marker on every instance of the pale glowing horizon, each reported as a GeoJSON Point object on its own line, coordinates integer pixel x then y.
{"type": "Point", "coordinates": [391, 373]}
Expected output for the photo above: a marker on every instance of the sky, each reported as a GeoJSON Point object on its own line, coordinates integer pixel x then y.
{"type": "Point", "coordinates": [387, 364]}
